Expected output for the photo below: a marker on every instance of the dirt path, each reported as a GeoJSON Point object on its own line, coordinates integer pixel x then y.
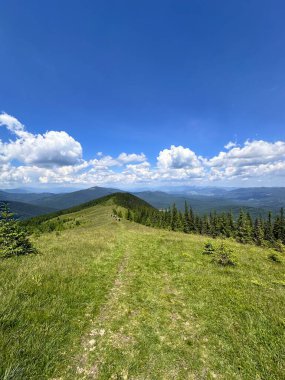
{"type": "Point", "coordinates": [146, 325]}
{"type": "Point", "coordinates": [98, 335]}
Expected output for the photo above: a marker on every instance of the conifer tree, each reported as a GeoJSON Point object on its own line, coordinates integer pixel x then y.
{"type": "Point", "coordinates": [279, 227]}
{"type": "Point", "coordinates": [258, 233]}
{"type": "Point", "coordinates": [14, 239]}
{"type": "Point", "coordinates": [244, 229]}
{"type": "Point", "coordinates": [129, 214]}
{"type": "Point", "coordinates": [282, 225]}
{"type": "Point", "coordinates": [268, 229]}
{"type": "Point", "coordinates": [191, 220]}
{"type": "Point", "coordinates": [186, 226]}
{"type": "Point", "coordinates": [174, 218]}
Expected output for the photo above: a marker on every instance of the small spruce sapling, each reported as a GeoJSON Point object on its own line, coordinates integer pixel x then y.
{"type": "Point", "coordinates": [275, 258]}
{"type": "Point", "coordinates": [224, 256]}
{"type": "Point", "coordinates": [208, 249]}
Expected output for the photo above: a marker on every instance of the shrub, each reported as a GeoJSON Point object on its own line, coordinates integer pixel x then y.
{"type": "Point", "coordinates": [208, 249]}
{"type": "Point", "coordinates": [279, 246]}
{"type": "Point", "coordinates": [224, 256]}
{"type": "Point", "coordinates": [275, 258]}
{"type": "Point", "coordinates": [14, 239]}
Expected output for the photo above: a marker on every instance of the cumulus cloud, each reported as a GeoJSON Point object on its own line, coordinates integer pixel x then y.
{"type": "Point", "coordinates": [49, 149]}
{"type": "Point", "coordinates": [56, 157]}
{"type": "Point", "coordinates": [255, 158]}
{"type": "Point", "coordinates": [177, 157]}
{"type": "Point", "coordinates": [125, 158]}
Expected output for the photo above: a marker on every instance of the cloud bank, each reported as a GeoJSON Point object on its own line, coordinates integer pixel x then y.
{"type": "Point", "coordinates": [55, 157]}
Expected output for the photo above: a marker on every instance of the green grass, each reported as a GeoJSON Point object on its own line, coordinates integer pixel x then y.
{"type": "Point", "coordinates": [117, 300]}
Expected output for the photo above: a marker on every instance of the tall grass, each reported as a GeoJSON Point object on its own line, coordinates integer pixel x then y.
{"type": "Point", "coordinates": [109, 299]}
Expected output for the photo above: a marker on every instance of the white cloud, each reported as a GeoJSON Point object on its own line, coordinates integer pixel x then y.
{"type": "Point", "coordinates": [49, 149]}
{"type": "Point", "coordinates": [125, 158]}
{"type": "Point", "coordinates": [252, 153]}
{"type": "Point", "coordinates": [56, 157]}
{"type": "Point", "coordinates": [12, 124]}
{"type": "Point", "coordinates": [256, 158]}
{"type": "Point", "coordinates": [177, 157]}
{"type": "Point", "coordinates": [230, 145]}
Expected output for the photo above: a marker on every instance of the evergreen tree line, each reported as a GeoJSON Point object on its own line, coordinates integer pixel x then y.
{"type": "Point", "coordinates": [260, 231]}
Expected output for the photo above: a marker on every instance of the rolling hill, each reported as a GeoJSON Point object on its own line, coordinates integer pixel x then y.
{"type": "Point", "coordinates": [108, 299]}
{"type": "Point", "coordinates": [257, 201]}
{"type": "Point", "coordinates": [203, 204]}
{"type": "Point", "coordinates": [66, 200]}
{"type": "Point", "coordinates": [25, 210]}
{"type": "Point", "coordinates": [24, 197]}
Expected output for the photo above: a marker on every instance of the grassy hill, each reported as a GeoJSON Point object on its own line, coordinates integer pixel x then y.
{"type": "Point", "coordinates": [115, 300]}
{"type": "Point", "coordinates": [124, 200]}
{"type": "Point", "coordinates": [60, 201]}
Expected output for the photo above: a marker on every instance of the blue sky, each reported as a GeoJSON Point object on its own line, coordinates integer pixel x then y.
{"type": "Point", "coordinates": [141, 77]}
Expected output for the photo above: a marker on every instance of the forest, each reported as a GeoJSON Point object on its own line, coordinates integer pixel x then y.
{"type": "Point", "coordinates": [260, 231]}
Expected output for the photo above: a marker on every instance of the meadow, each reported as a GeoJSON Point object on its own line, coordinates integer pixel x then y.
{"type": "Point", "coordinates": [105, 299]}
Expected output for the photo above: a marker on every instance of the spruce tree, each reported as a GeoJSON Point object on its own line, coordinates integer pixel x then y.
{"type": "Point", "coordinates": [14, 239]}
{"type": "Point", "coordinates": [279, 227]}
{"type": "Point", "coordinates": [174, 218]}
{"type": "Point", "coordinates": [244, 229]}
{"type": "Point", "coordinates": [282, 225]}
{"type": "Point", "coordinates": [129, 214]}
{"type": "Point", "coordinates": [191, 220]}
{"type": "Point", "coordinates": [268, 229]}
{"type": "Point", "coordinates": [186, 219]}
{"type": "Point", "coordinates": [258, 233]}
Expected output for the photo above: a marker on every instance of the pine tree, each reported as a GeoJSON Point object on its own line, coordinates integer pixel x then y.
{"type": "Point", "coordinates": [129, 214]}
{"type": "Point", "coordinates": [186, 220]}
{"type": "Point", "coordinates": [258, 233]}
{"type": "Point", "coordinates": [268, 229]}
{"type": "Point", "coordinates": [214, 224]}
{"type": "Point", "coordinates": [191, 220]}
{"type": "Point", "coordinates": [174, 218]}
{"type": "Point", "coordinates": [231, 223]}
{"type": "Point", "coordinates": [279, 227]}
{"type": "Point", "coordinates": [244, 229]}
{"type": "Point", "coordinates": [14, 239]}
{"type": "Point", "coordinates": [282, 226]}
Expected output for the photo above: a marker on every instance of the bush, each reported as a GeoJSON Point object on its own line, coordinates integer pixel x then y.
{"type": "Point", "coordinates": [208, 249]}
{"type": "Point", "coordinates": [279, 246]}
{"type": "Point", "coordinates": [275, 258]}
{"type": "Point", "coordinates": [14, 239]}
{"type": "Point", "coordinates": [224, 256]}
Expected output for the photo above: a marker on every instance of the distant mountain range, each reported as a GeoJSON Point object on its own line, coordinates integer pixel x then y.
{"type": "Point", "coordinates": [258, 200]}
{"type": "Point", "coordinates": [25, 210]}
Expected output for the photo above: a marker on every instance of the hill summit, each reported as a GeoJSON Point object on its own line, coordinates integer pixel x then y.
{"type": "Point", "coordinates": [125, 200]}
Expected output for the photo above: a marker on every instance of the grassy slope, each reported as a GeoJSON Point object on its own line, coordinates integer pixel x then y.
{"type": "Point", "coordinates": [124, 200]}
{"type": "Point", "coordinates": [118, 300]}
